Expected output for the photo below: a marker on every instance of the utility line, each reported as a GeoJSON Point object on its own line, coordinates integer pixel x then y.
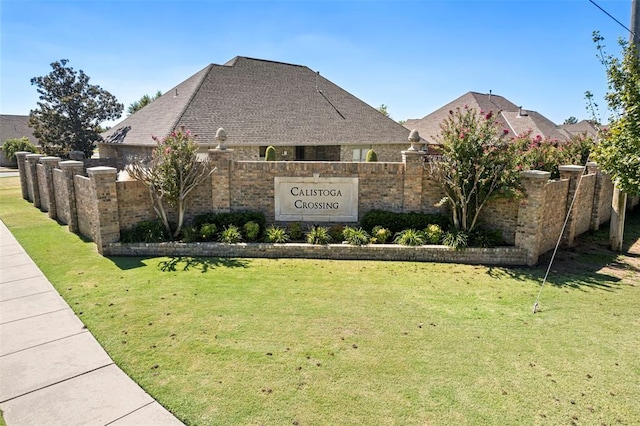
{"type": "Point", "coordinates": [610, 16]}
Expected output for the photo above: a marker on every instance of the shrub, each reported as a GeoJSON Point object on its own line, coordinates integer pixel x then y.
{"type": "Point", "coordinates": [208, 231]}
{"type": "Point", "coordinates": [318, 235]}
{"type": "Point", "coordinates": [251, 231]}
{"type": "Point", "coordinates": [356, 237]}
{"type": "Point", "coordinates": [222, 220]}
{"type": "Point", "coordinates": [276, 234]}
{"type": "Point", "coordinates": [456, 239]}
{"type": "Point", "coordinates": [485, 238]}
{"type": "Point", "coordinates": [190, 234]}
{"type": "Point", "coordinates": [294, 229]}
{"type": "Point", "coordinates": [372, 157]}
{"type": "Point", "coordinates": [397, 222]}
{"type": "Point", "coordinates": [270, 154]}
{"type": "Point", "coordinates": [410, 237]}
{"type": "Point", "coordinates": [148, 231]}
{"type": "Point", "coordinates": [335, 232]}
{"type": "Point", "coordinates": [11, 146]}
{"type": "Point", "coordinates": [231, 234]}
{"type": "Point", "coordinates": [380, 235]}
{"type": "Point", "coordinates": [433, 234]}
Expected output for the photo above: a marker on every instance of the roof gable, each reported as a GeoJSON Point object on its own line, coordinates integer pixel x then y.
{"type": "Point", "coordinates": [15, 127]}
{"type": "Point", "coordinates": [261, 102]}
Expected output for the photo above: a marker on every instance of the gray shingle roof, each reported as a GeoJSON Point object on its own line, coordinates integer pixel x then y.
{"type": "Point", "coordinates": [260, 102]}
{"type": "Point", "coordinates": [511, 117]}
{"type": "Point", "coordinates": [15, 126]}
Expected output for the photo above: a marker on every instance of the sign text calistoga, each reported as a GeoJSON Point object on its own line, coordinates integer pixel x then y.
{"type": "Point", "coordinates": [315, 199]}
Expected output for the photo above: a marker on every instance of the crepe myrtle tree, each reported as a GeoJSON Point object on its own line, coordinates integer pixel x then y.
{"type": "Point", "coordinates": [170, 174]}
{"type": "Point", "coordinates": [476, 164]}
{"type": "Point", "coordinates": [70, 111]}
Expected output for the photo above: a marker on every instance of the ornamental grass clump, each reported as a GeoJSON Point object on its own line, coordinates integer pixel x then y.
{"type": "Point", "coordinates": [410, 237]}
{"type": "Point", "coordinates": [276, 234]}
{"type": "Point", "coordinates": [231, 234]}
{"type": "Point", "coordinates": [318, 235]}
{"type": "Point", "coordinates": [457, 240]}
{"type": "Point", "coordinates": [433, 234]}
{"type": "Point", "coordinates": [356, 237]}
{"type": "Point", "coordinates": [380, 235]}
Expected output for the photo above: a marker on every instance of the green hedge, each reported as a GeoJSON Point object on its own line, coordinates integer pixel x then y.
{"type": "Point", "coordinates": [398, 222]}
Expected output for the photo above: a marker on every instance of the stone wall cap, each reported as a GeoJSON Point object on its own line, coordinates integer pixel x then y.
{"type": "Point", "coordinates": [536, 174]}
{"type": "Point", "coordinates": [571, 168]}
{"type": "Point", "coordinates": [102, 170]}
{"type": "Point", "coordinates": [70, 163]}
{"type": "Point", "coordinates": [23, 153]}
{"type": "Point", "coordinates": [35, 155]}
{"type": "Point", "coordinates": [412, 152]}
{"type": "Point", "coordinates": [50, 159]}
{"type": "Point", "coordinates": [592, 164]}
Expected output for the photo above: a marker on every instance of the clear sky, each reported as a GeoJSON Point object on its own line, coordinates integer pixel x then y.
{"type": "Point", "coordinates": [413, 56]}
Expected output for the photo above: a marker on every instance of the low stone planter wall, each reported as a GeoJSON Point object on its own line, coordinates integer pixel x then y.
{"type": "Point", "coordinates": [390, 252]}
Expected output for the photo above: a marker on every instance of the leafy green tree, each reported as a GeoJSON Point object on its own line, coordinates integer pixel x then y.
{"type": "Point", "coordinates": [571, 120]}
{"type": "Point", "coordinates": [171, 173]}
{"type": "Point", "coordinates": [270, 154]}
{"type": "Point", "coordinates": [383, 109]}
{"type": "Point", "coordinates": [372, 157]}
{"type": "Point", "coordinates": [618, 152]}
{"type": "Point", "coordinates": [476, 164]}
{"type": "Point", "coordinates": [142, 102]}
{"type": "Point", "coordinates": [70, 111]}
{"type": "Point", "coordinates": [11, 146]}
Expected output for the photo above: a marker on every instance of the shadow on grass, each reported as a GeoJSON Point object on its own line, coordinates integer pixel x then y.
{"type": "Point", "coordinates": [186, 263]}
{"type": "Point", "coordinates": [590, 263]}
{"type": "Point", "coordinates": [183, 263]}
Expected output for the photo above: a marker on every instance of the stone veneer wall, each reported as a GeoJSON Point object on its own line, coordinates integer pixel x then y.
{"type": "Point", "coordinates": [99, 207]}
{"type": "Point", "coordinates": [63, 209]}
{"type": "Point", "coordinates": [87, 208]}
{"type": "Point", "coordinates": [42, 183]}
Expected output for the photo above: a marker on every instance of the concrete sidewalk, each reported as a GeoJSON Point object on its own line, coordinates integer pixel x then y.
{"type": "Point", "coordinates": [52, 370]}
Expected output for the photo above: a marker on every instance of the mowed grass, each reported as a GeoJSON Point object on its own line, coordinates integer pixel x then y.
{"type": "Point", "coordinates": [310, 342]}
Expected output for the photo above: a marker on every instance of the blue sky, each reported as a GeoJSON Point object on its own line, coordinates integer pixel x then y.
{"type": "Point", "coordinates": [413, 56]}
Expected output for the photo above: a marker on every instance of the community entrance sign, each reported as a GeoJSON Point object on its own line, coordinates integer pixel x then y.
{"type": "Point", "coordinates": [315, 199]}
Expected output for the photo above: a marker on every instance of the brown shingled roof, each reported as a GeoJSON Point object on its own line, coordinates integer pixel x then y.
{"type": "Point", "coordinates": [15, 127]}
{"type": "Point", "coordinates": [260, 102]}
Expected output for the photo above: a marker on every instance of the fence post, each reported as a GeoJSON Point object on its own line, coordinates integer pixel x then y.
{"type": "Point", "coordinates": [21, 158]}
{"type": "Point", "coordinates": [32, 178]}
{"type": "Point", "coordinates": [49, 164]}
{"type": "Point", "coordinates": [71, 168]}
{"type": "Point", "coordinates": [531, 214]}
{"type": "Point", "coordinates": [103, 182]}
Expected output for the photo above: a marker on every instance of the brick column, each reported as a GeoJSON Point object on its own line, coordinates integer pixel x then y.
{"type": "Point", "coordinates": [413, 173]}
{"type": "Point", "coordinates": [21, 158]}
{"type": "Point", "coordinates": [103, 181]}
{"type": "Point", "coordinates": [49, 164]}
{"type": "Point", "coordinates": [32, 178]}
{"type": "Point", "coordinates": [221, 179]}
{"type": "Point", "coordinates": [572, 173]}
{"type": "Point", "coordinates": [71, 168]}
{"type": "Point", "coordinates": [531, 214]}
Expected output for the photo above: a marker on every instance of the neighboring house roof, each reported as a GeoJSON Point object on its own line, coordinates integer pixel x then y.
{"type": "Point", "coordinates": [260, 102]}
{"type": "Point", "coordinates": [512, 117]}
{"type": "Point", "coordinates": [15, 127]}
{"type": "Point", "coordinates": [582, 127]}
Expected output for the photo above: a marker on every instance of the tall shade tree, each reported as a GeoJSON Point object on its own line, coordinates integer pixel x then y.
{"type": "Point", "coordinates": [142, 102]}
{"type": "Point", "coordinates": [618, 152]}
{"type": "Point", "coordinates": [476, 164]}
{"type": "Point", "coordinates": [70, 111]}
{"type": "Point", "coordinates": [170, 174]}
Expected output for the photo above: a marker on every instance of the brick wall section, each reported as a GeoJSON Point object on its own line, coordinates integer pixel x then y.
{"type": "Point", "coordinates": [385, 252]}
{"type": "Point", "coordinates": [501, 214]}
{"type": "Point", "coordinates": [555, 209]}
{"type": "Point", "coordinates": [582, 207]}
{"type": "Point", "coordinates": [86, 207]}
{"type": "Point", "coordinates": [49, 163]}
{"type": "Point", "coordinates": [61, 192]}
{"type": "Point", "coordinates": [21, 158]}
{"type": "Point", "coordinates": [103, 182]}
{"type": "Point", "coordinates": [134, 203]}
{"type": "Point", "coordinates": [531, 214]}
{"type": "Point", "coordinates": [69, 169]}
{"type": "Point", "coordinates": [42, 188]}
{"type": "Point", "coordinates": [574, 194]}
{"type": "Point", "coordinates": [412, 190]}
{"type": "Point", "coordinates": [32, 178]}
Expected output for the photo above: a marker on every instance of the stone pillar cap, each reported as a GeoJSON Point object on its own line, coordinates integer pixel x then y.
{"type": "Point", "coordinates": [102, 170]}
{"type": "Point", "coordinates": [49, 159]}
{"type": "Point", "coordinates": [571, 168]}
{"type": "Point", "coordinates": [70, 163]}
{"type": "Point", "coordinates": [35, 155]}
{"type": "Point", "coordinates": [536, 174]}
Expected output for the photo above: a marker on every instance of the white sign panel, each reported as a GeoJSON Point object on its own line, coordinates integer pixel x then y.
{"type": "Point", "coordinates": [316, 199]}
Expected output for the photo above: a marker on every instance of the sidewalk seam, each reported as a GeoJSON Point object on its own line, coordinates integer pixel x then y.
{"type": "Point", "coordinates": [36, 316]}
{"type": "Point", "coordinates": [46, 343]}
{"type": "Point", "coordinates": [27, 295]}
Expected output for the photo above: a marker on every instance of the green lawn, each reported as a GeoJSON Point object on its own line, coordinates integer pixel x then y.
{"type": "Point", "coordinates": [310, 342]}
